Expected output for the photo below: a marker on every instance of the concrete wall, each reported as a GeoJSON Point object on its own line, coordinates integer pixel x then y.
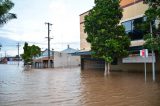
{"type": "Point", "coordinates": [132, 67]}
{"type": "Point", "coordinates": [90, 63]}
{"type": "Point", "coordinates": [84, 45]}
{"type": "Point", "coordinates": [128, 67]}
{"type": "Point", "coordinates": [65, 60]}
{"type": "Point", "coordinates": [134, 11]}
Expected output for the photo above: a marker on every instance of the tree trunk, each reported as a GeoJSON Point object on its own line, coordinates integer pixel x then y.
{"type": "Point", "coordinates": [106, 69]}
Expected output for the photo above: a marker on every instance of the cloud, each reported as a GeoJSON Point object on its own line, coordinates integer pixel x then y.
{"type": "Point", "coordinates": [65, 21]}
{"type": "Point", "coordinates": [4, 40]}
{"type": "Point", "coordinates": [9, 46]}
{"type": "Point", "coordinates": [30, 27]}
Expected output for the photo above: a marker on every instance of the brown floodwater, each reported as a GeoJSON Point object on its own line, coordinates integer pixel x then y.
{"type": "Point", "coordinates": [73, 87]}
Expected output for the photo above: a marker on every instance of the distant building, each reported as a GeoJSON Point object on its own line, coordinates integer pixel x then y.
{"type": "Point", "coordinates": [9, 60]}
{"type": "Point", "coordinates": [43, 61]}
{"type": "Point", "coordinates": [4, 60]}
{"type": "Point", "coordinates": [69, 50]}
{"type": "Point", "coordinates": [66, 58]}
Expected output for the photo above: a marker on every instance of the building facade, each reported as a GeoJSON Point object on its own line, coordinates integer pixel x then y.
{"type": "Point", "coordinates": [66, 58]}
{"type": "Point", "coordinates": [132, 9]}
{"type": "Point", "coordinates": [133, 14]}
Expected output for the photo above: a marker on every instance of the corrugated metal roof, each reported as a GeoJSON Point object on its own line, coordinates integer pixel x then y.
{"type": "Point", "coordinates": [69, 50]}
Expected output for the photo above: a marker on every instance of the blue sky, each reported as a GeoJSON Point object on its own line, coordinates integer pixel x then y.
{"type": "Point", "coordinates": [30, 27]}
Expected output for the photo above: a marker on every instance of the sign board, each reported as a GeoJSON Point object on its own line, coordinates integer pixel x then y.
{"type": "Point", "coordinates": [144, 53]}
{"type": "Point", "coordinates": [138, 59]}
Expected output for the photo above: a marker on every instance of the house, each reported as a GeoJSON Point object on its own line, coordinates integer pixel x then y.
{"type": "Point", "coordinates": [62, 59]}
{"type": "Point", "coordinates": [10, 60]}
{"type": "Point", "coordinates": [65, 58]}
{"type": "Point", "coordinates": [69, 50]}
{"type": "Point", "coordinates": [43, 61]}
{"type": "Point", "coordinates": [133, 11]}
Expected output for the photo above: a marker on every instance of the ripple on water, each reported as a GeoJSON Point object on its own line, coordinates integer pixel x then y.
{"type": "Point", "coordinates": [73, 87]}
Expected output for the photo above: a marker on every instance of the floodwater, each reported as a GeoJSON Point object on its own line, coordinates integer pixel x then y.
{"type": "Point", "coordinates": [73, 87]}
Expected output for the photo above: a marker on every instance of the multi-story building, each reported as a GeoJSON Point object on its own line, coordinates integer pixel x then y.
{"type": "Point", "coordinates": [133, 14]}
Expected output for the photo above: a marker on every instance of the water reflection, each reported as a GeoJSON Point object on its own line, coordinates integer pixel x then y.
{"type": "Point", "coordinates": [73, 87]}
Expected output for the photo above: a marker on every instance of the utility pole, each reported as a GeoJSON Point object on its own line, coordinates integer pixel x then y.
{"type": "Point", "coordinates": [48, 25]}
{"type": "Point", "coordinates": [0, 54]}
{"type": "Point", "coordinates": [0, 47]}
{"type": "Point", "coordinates": [18, 52]}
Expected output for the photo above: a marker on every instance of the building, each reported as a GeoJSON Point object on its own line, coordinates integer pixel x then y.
{"type": "Point", "coordinates": [43, 61]}
{"type": "Point", "coordinates": [69, 50]}
{"type": "Point", "coordinates": [10, 60]}
{"type": "Point", "coordinates": [66, 58]}
{"type": "Point", "coordinates": [133, 12]}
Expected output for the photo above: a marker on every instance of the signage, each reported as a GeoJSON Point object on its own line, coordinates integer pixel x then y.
{"type": "Point", "coordinates": [144, 53]}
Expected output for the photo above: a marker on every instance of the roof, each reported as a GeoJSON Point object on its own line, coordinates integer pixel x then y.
{"type": "Point", "coordinates": [45, 52]}
{"type": "Point", "coordinates": [69, 50]}
{"type": "Point", "coordinates": [131, 49]}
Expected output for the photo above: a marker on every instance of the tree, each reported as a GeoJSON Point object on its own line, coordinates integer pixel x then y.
{"type": "Point", "coordinates": [35, 51]}
{"type": "Point", "coordinates": [5, 7]}
{"type": "Point", "coordinates": [30, 52]}
{"type": "Point", "coordinates": [107, 38]}
{"type": "Point", "coordinates": [152, 39]}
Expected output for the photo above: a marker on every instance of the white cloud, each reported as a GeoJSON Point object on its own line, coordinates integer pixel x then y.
{"type": "Point", "coordinates": [63, 14]}
{"type": "Point", "coordinates": [65, 21]}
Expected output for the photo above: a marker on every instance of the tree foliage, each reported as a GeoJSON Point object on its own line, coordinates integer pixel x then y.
{"type": "Point", "coordinates": [107, 37]}
{"type": "Point", "coordinates": [152, 42]}
{"type": "Point", "coordinates": [5, 7]}
{"type": "Point", "coordinates": [30, 52]}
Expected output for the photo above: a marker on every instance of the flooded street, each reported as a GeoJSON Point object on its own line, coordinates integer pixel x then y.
{"type": "Point", "coordinates": [73, 87]}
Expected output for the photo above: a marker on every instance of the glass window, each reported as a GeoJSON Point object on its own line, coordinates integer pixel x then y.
{"type": "Point", "coordinates": [127, 25]}
{"type": "Point", "coordinates": [133, 28]}
{"type": "Point", "coordinates": [137, 22]}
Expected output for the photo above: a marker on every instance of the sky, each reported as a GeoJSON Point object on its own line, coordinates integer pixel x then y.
{"type": "Point", "coordinates": [30, 24]}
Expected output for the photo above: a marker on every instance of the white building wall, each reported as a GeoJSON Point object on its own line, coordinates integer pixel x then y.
{"type": "Point", "coordinates": [65, 60]}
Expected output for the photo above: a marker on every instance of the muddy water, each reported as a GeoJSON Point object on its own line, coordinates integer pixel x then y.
{"type": "Point", "coordinates": [73, 87]}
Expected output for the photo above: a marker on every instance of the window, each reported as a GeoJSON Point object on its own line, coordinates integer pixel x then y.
{"type": "Point", "coordinates": [127, 25]}
{"type": "Point", "coordinates": [132, 28]}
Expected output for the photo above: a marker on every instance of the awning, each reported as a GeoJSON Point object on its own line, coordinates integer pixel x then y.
{"type": "Point", "coordinates": [79, 53]}
{"type": "Point", "coordinates": [135, 48]}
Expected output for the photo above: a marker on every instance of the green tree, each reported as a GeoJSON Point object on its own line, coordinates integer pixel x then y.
{"type": "Point", "coordinates": [5, 7]}
{"type": "Point", "coordinates": [26, 54]}
{"type": "Point", "coordinates": [107, 38]}
{"type": "Point", "coordinates": [30, 52]}
{"type": "Point", "coordinates": [35, 50]}
{"type": "Point", "coordinates": [152, 38]}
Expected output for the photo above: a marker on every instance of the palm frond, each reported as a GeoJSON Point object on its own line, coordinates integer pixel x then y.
{"type": "Point", "coordinates": [6, 17]}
